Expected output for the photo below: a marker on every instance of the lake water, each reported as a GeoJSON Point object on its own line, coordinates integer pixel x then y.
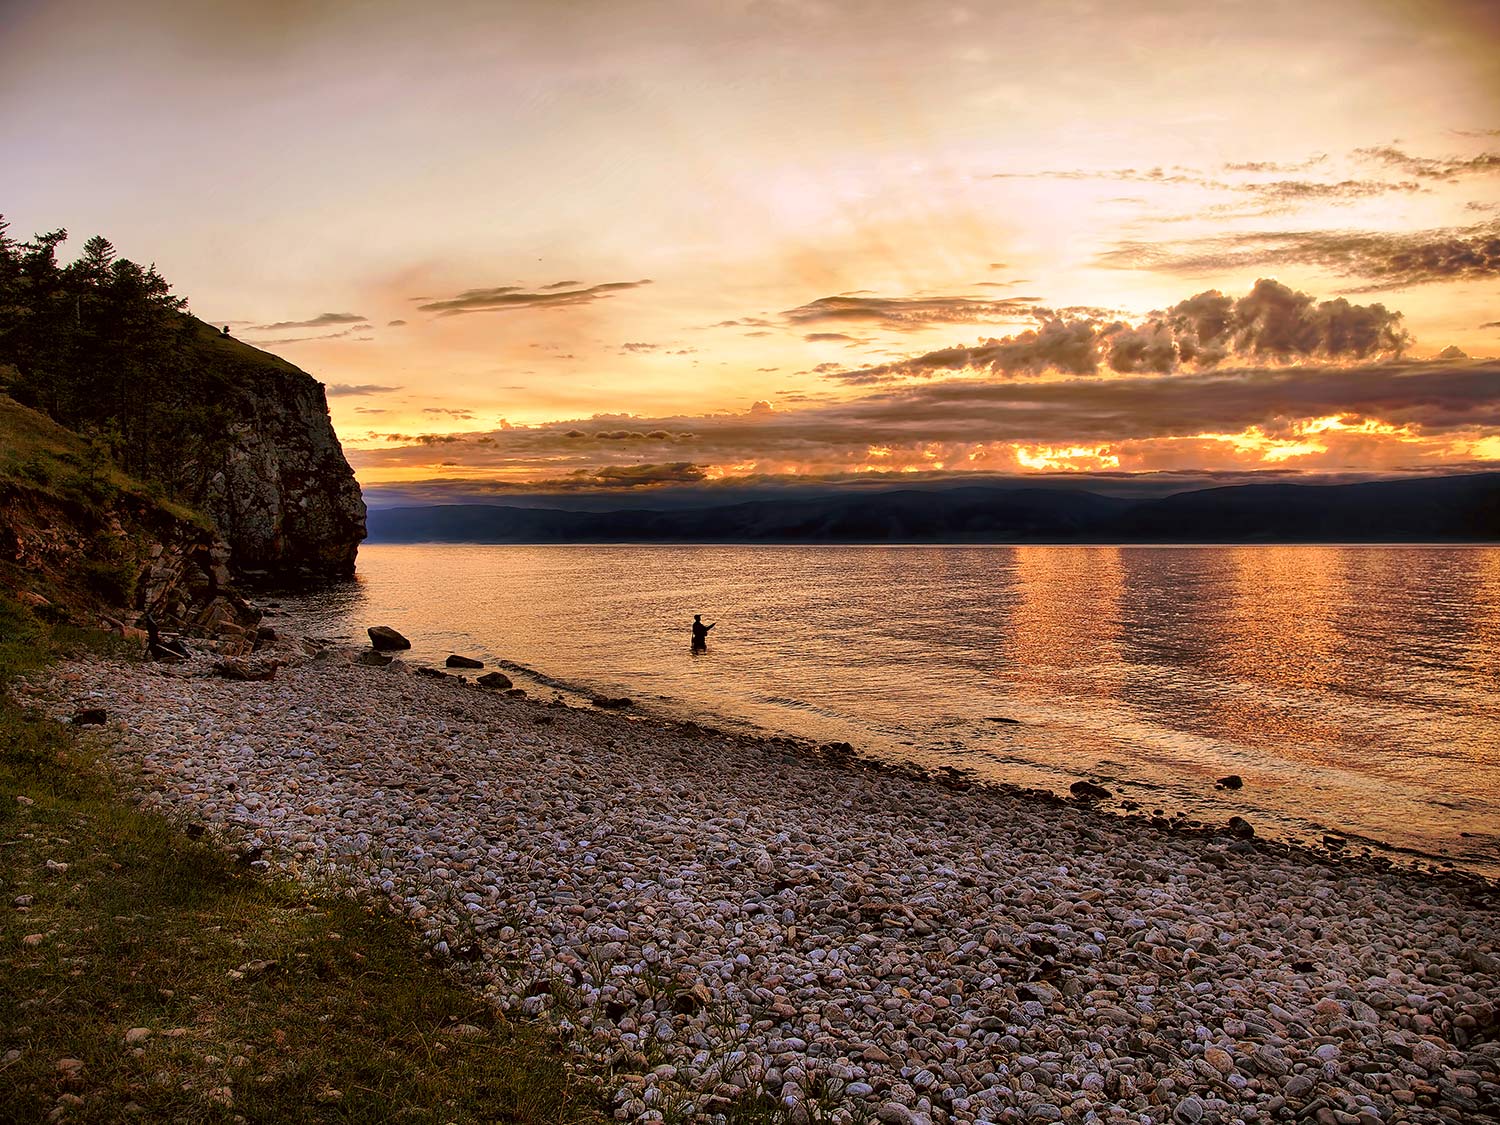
{"type": "Point", "coordinates": [1355, 689]}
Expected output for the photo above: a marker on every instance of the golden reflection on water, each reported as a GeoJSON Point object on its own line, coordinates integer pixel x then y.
{"type": "Point", "coordinates": [1066, 622]}
{"type": "Point", "coordinates": [1280, 631]}
{"type": "Point", "coordinates": [1484, 653]}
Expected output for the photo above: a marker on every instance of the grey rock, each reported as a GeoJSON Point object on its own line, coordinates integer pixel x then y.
{"type": "Point", "coordinates": [385, 638]}
{"type": "Point", "coordinates": [277, 487]}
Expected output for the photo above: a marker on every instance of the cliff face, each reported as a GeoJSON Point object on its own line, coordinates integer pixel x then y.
{"type": "Point", "coordinates": [84, 542]}
{"type": "Point", "coordinates": [276, 483]}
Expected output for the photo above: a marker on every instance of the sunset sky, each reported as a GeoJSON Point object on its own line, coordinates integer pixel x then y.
{"type": "Point", "coordinates": [577, 245]}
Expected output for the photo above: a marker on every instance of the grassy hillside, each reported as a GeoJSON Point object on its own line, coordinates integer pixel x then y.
{"type": "Point", "coordinates": [74, 528]}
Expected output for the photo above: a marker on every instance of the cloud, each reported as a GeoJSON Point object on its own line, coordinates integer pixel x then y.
{"type": "Point", "coordinates": [1491, 324]}
{"type": "Point", "coordinates": [420, 439]}
{"type": "Point", "coordinates": [1444, 168]}
{"type": "Point", "coordinates": [1285, 191]}
{"type": "Point", "coordinates": [1384, 260]}
{"type": "Point", "coordinates": [639, 347]}
{"type": "Point", "coordinates": [395, 324]}
{"type": "Point", "coordinates": [1272, 322]}
{"type": "Point", "coordinates": [338, 390]}
{"type": "Point", "coordinates": [828, 337]}
{"type": "Point", "coordinates": [1175, 175]}
{"type": "Point", "coordinates": [575, 434]}
{"type": "Point", "coordinates": [508, 298]}
{"type": "Point", "coordinates": [323, 320]}
{"type": "Point", "coordinates": [324, 336]}
{"type": "Point", "coordinates": [1276, 166]}
{"type": "Point", "coordinates": [1393, 413]}
{"type": "Point", "coordinates": [745, 322]}
{"type": "Point", "coordinates": [452, 413]}
{"type": "Point", "coordinates": [908, 313]}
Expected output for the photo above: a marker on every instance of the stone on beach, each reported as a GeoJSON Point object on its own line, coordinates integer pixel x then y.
{"type": "Point", "coordinates": [386, 639]}
{"type": "Point", "coordinates": [494, 680]}
{"type": "Point", "coordinates": [708, 917]}
{"type": "Point", "coordinates": [241, 670]}
{"type": "Point", "coordinates": [1088, 791]}
{"type": "Point", "coordinates": [456, 661]}
{"type": "Point", "coordinates": [1233, 781]}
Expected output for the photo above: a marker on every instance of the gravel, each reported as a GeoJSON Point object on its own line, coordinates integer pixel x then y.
{"type": "Point", "coordinates": [704, 916]}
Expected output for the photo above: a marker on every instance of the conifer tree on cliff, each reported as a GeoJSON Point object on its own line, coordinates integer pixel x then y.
{"type": "Point", "coordinates": [100, 345]}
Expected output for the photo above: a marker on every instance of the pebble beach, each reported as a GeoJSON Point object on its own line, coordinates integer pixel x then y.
{"type": "Point", "coordinates": [704, 917]}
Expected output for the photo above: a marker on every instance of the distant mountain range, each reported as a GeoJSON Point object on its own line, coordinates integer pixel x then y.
{"type": "Point", "coordinates": [1429, 509]}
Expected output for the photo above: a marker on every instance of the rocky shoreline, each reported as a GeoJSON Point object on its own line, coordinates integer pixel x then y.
{"type": "Point", "coordinates": [704, 917]}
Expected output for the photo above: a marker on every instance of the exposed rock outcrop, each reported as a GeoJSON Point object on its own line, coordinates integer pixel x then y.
{"type": "Point", "coordinates": [276, 485]}
{"type": "Point", "coordinates": [81, 541]}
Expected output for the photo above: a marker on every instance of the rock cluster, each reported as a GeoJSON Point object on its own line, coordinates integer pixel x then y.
{"type": "Point", "coordinates": [709, 917]}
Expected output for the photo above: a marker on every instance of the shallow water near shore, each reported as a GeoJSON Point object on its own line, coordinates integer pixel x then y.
{"type": "Point", "coordinates": [1356, 690]}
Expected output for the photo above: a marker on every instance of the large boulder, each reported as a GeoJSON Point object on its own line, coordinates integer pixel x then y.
{"type": "Point", "coordinates": [386, 639]}
{"type": "Point", "coordinates": [497, 680]}
{"type": "Point", "coordinates": [456, 661]}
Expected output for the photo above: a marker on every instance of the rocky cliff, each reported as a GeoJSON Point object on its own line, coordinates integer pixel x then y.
{"type": "Point", "coordinates": [275, 482]}
{"type": "Point", "coordinates": [81, 541]}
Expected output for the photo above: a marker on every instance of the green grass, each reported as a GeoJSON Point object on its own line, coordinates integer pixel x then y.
{"type": "Point", "coordinates": [264, 1001]}
{"type": "Point", "coordinates": [38, 454]}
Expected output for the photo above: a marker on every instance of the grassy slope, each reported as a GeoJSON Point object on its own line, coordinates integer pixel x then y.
{"type": "Point", "coordinates": [84, 525]}
{"type": "Point", "coordinates": [264, 1002]}
{"type": "Point", "coordinates": [37, 453]}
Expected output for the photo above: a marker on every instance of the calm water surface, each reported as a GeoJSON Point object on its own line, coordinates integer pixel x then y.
{"type": "Point", "coordinates": [1355, 689]}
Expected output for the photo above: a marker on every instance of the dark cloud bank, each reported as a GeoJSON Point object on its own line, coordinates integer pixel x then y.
{"type": "Point", "coordinates": [1272, 323]}
{"type": "Point", "coordinates": [1263, 364]}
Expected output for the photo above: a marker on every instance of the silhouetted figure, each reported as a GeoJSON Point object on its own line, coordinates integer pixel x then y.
{"type": "Point", "coordinates": [700, 633]}
{"type": "Point", "coordinates": [226, 330]}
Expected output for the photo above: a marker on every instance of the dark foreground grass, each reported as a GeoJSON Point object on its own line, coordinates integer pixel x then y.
{"type": "Point", "coordinates": [148, 976]}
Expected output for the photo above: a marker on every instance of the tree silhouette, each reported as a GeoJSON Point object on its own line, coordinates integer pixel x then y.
{"type": "Point", "coordinates": [100, 345]}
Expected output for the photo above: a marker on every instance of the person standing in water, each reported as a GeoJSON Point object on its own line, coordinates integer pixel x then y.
{"type": "Point", "coordinates": [700, 633]}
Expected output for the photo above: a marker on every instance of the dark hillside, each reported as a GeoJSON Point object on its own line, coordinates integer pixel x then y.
{"type": "Point", "coordinates": [102, 347]}
{"type": "Point", "coordinates": [82, 541]}
{"type": "Point", "coordinates": [1460, 508]}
